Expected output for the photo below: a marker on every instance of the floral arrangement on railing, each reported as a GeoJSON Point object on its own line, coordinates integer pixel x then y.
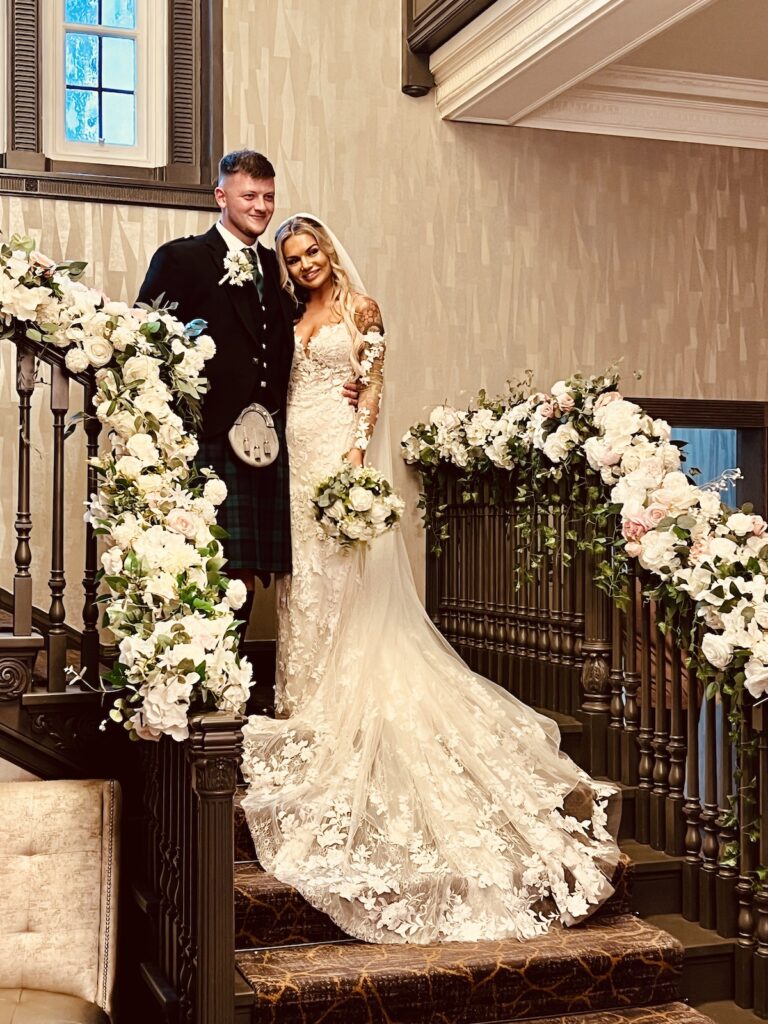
{"type": "Point", "coordinates": [169, 605]}
{"type": "Point", "coordinates": [623, 474]}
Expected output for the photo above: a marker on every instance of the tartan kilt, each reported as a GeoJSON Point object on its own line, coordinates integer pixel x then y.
{"type": "Point", "coordinates": [256, 511]}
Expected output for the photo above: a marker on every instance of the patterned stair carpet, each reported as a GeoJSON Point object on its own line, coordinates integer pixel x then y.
{"type": "Point", "coordinates": [670, 1013]}
{"type": "Point", "coordinates": [611, 969]}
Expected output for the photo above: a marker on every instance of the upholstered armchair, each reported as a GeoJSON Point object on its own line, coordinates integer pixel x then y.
{"type": "Point", "coordinates": [58, 901]}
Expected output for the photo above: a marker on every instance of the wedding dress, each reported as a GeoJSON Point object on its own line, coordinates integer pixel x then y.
{"type": "Point", "coordinates": [405, 796]}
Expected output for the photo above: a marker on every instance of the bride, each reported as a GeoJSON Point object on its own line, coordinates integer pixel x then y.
{"type": "Point", "coordinates": [405, 796]}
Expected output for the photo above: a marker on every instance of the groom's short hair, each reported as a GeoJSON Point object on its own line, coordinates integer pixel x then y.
{"type": "Point", "coordinates": [254, 164]}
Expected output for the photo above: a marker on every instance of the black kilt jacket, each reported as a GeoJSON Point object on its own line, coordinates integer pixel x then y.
{"type": "Point", "coordinates": [254, 351]}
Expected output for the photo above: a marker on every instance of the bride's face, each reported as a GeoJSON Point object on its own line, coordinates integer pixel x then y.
{"type": "Point", "coordinates": [306, 262]}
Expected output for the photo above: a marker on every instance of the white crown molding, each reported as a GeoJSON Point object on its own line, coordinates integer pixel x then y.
{"type": "Point", "coordinates": [520, 54]}
{"type": "Point", "coordinates": [655, 104]}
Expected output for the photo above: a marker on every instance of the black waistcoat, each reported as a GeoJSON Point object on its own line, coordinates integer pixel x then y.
{"type": "Point", "coordinates": [268, 350]}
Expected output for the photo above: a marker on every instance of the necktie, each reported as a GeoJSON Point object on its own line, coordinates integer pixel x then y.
{"type": "Point", "coordinates": [258, 277]}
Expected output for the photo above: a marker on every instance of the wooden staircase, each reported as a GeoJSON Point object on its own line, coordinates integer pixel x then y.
{"type": "Point", "coordinates": [636, 960]}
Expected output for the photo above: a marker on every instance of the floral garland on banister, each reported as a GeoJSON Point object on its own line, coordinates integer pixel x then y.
{"type": "Point", "coordinates": [169, 605]}
{"type": "Point", "coordinates": [622, 473]}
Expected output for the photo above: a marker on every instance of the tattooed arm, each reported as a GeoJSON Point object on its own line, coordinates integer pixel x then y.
{"type": "Point", "coordinates": [369, 323]}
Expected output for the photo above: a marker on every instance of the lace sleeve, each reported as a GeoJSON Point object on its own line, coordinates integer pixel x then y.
{"type": "Point", "coordinates": [372, 380]}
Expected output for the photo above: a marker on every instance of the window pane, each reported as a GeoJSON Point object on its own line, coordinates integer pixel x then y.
{"type": "Point", "coordinates": [82, 12]}
{"type": "Point", "coordinates": [119, 118]}
{"type": "Point", "coordinates": [81, 53]}
{"type": "Point", "coordinates": [82, 115]}
{"type": "Point", "coordinates": [118, 63]}
{"type": "Point", "coordinates": [118, 13]}
{"type": "Point", "coordinates": [711, 451]}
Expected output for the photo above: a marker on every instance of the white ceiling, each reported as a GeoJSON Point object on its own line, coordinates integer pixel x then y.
{"type": "Point", "coordinates": [729, 38]}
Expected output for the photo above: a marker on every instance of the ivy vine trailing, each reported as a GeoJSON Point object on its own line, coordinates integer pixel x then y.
{"type": "Point", "coordinates": [617, 473]}
{"type": "Point", "coordinates": [166, 600]}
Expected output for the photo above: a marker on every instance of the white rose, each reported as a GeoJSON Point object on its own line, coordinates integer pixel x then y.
{"type": "Point", "coordinates": [560, 442]}
{"type": "Point", "coordinates": [657, 552]}
{"type": "Point", "coordinates": [98, 350]}
{"type": "Point", "coordinates": [709, 503]}
{"type": "Point", "coordinates": [675, 493]}
{"type": "Point", "coordinates": [379, 512]}
{"type": "Point", "coordinates": [353, 528]}
{"type": "Point", "coordinates": [142, 447]}
{"type": "Point", "coordinates": [141, 368]}
{"type": "Point", "coordinates": [180, 520]}
{"type": "Point", "coordinates": [721, 547]}
{"type": "Point", "coordinates": [162, 585]}
{"type": "Point", "coordinates": [76, 360]}
{"type": "Point", "coordinates": [360, 499]}
{"type": "Point", "coordinates": [740, 524]}
{"type": "Point", "coordinates": [618, 419]}
{"type": "Point", "coordinates": [336, 511]}
{"type": "Point", "coordinates": [717, 650]}
{"type": "Point", "coordinates": [661, 429]}
{"type": "Point", "coordinates": [148, 402]}
{"type": "Point", "coordinates": [236, 594]}
{"type": "Point", "coordinates": [129, 467]}
{"type": "Point", "coordinates": [756, 677]}
{"type": "Point", "coordinates": [215, 491]}
{"type": "Point", "coordinates": [123, 423]}
{"type": "Point", "coordinates": [112, 561]}
{"type": "Point", "coordinates": [126, 532]}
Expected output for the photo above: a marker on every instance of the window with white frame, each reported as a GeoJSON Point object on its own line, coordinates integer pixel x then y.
{"type": "Point", "coordinates": [104, 82]}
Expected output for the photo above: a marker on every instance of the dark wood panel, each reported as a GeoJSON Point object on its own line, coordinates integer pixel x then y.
{"type": "Point", "coordinates": [96, 189]}
{"type": "Point", "coordinates": [432, 23]}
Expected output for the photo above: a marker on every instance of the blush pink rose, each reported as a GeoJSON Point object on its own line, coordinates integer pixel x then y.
{"type": "Point", "coordinates": [699, 548]}
{"type": "Point", "coordinates": [606, 398]}
{"type": "Point", "coordinates": [608, 457]}
{"type": "Point", "coordinates": [566, 402]}
{"type": "Point", "coordinates": [547, 410]}
{"type": "Point", "coordinates": [653, 515]}
{"type": "Point", "coordinates": [633, 528]}
{"type": "Point", "coordinates": [759, 526]}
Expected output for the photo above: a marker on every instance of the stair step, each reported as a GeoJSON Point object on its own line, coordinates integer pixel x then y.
{"type": "Point", "coordinates": [270, 913]}
{"type": "Point", "coordinates": [725, 1011]}
{"type": "Point", "coordinates": [608, 962]}
{"type": "Point", "coordinates": [670, 1013]}
{"type": "Point", "coordinates": [571, 731]}
{"type": "Point", "coordinates": [656, 880]}
{"type": "Point", "coordinates": [708, 966]}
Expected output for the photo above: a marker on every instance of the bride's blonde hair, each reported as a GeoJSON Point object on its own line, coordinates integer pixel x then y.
{"type": "Point", "coordinates": [343, 296]}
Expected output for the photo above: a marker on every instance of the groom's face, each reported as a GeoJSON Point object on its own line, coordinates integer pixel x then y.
{"type": "Point", "coordinates": [246, 205]}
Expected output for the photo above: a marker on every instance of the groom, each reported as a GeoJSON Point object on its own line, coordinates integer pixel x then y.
{"type": "Point", "coordinates": [252, 326]}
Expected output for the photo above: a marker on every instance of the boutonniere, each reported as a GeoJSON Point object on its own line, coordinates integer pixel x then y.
{"type": "Point", "coordinates": [238, 267]}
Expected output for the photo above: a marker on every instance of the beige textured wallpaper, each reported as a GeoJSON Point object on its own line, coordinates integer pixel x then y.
{"type": "Point", "coordinates": [491, 250]}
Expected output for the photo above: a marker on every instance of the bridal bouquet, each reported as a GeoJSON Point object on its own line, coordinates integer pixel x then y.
{"type": "Point", "coordinates": [356, 505]}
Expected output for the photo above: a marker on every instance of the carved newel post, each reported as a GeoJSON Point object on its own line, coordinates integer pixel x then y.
{"type": "Point", "coordinates": [595, 673]}
{"type": "Point", "coordinates": [214, 752]}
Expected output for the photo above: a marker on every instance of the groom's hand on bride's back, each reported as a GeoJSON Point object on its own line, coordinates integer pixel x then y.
{"type": "Point", "coordinates": [351, 391]}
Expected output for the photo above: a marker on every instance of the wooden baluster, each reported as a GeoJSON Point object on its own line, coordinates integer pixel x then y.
{"type": "Point", "coordinates": [595, 672]}
{"type": "Point", "coordinates": [745, 892]}
{"type": "Point", "coordinates": [660, 738]}
{"type": "Point", "coordinates": [22, 580]}
{"type": "Point", "coordinates": [57, 637]}
{"type": "Point", "coordinates": [727, 871]}
{"type": "Point", "coordinates": [760, 720]}
{"type": "Point", "coordinates": [674, 830]}
{"type": "Point", "coordinates": [215, 747]}
{"type": "Point", "coordinates": [629, 739]}
{"type": "Point", "coordinates": [557, 585]}
{"type": "Point", "coordinates": [89, 646]}
{"type": "Point", "coordinates": [544, 687]}
{"type": "Point", "coordinates": [578, 601]}
{"type": "Point", "coordinates": [452, 553]}
{"type": "Point", "coordinates": [709, 816]}
{"type": "Point", "coordinates": [18, 644]}
{"type": "Point", "coordinates": [616, 682]}
{"type": "Point", "coordinates": [645, 732]}
{"type": "Point", "coordinates": [692, 806]}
